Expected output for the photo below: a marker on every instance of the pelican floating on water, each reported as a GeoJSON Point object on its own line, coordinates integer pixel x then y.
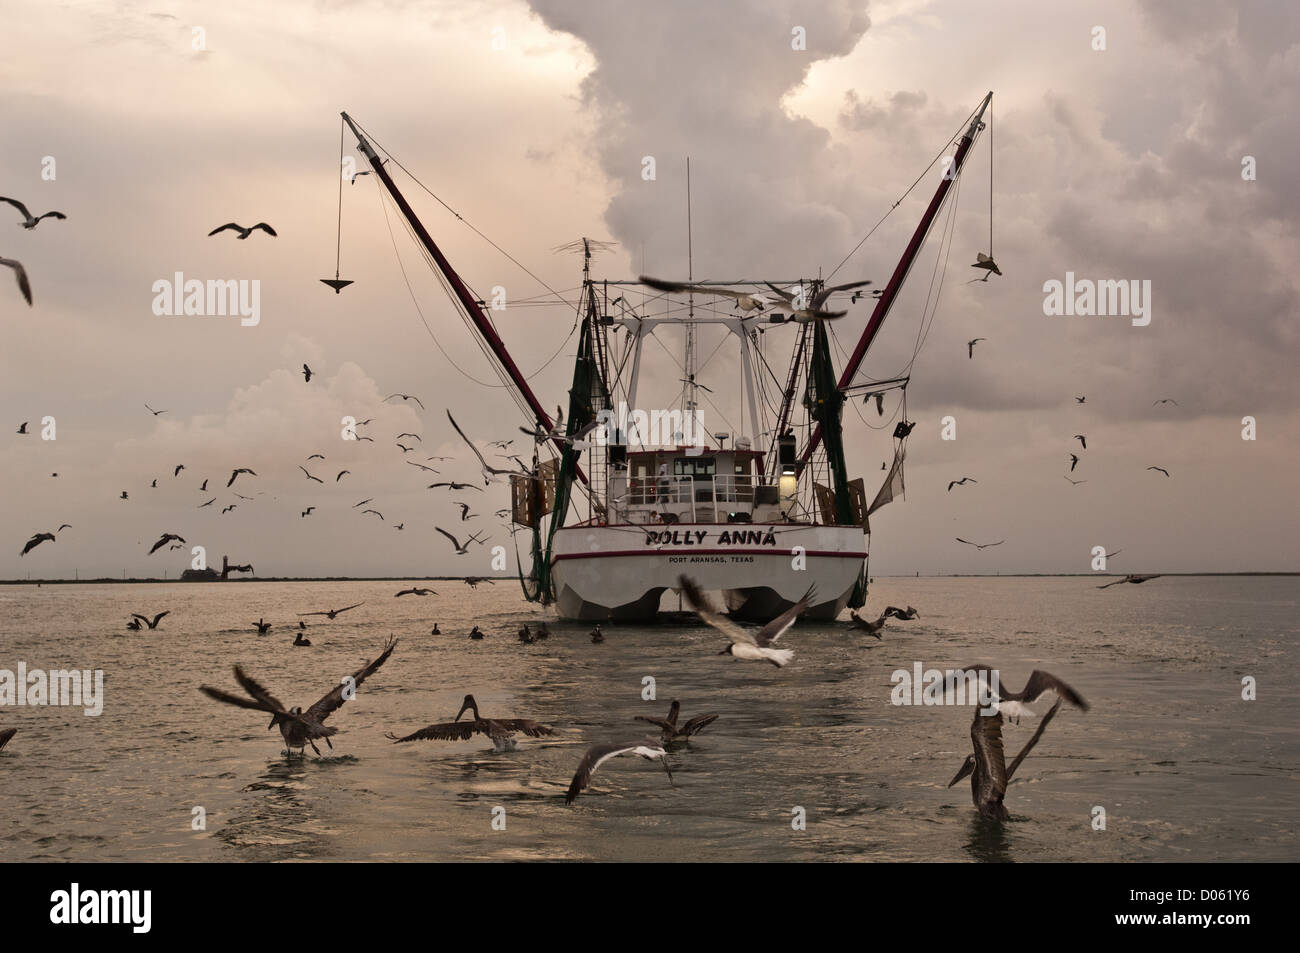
{"type": "Point", "coordinates": [6, 735]}
{"type": "Point", "coordinates": [300, 728]}
{"type": "Point", "coordinates": [988, 770]}
{"type": "Point", "coordinates": [500, 730]}
{"type": "Point", "coordinates": [600, 753]}
{"type": "Point", "coordinates": [668, 726]}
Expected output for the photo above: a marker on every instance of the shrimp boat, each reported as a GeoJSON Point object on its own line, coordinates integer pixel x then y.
{"type": "Point", "coordinates": [621, 499]}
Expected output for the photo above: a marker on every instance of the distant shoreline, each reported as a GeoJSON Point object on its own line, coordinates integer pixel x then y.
{"type": "Point", "coordinates": [951, 575]}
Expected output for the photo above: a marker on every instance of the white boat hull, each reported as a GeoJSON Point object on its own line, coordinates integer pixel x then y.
{"type": "Point", "coordinates": [619, 573]}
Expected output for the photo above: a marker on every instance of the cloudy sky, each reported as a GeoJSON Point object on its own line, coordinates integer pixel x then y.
{"type": "Point", "coordinates": [532, 121]}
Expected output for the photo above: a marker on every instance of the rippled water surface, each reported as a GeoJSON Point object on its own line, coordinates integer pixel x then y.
{"type": "Point", "coordinates": [1184, 768]}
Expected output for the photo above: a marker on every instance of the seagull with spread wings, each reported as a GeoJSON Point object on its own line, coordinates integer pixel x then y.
{"type": "Point", "coordinates": [598, 754]}
{"type": "Point", "coordinates": [460, 550]}
{"type": "Point", "coordinates": [751, 646]}
{"type": "Point", "coordinates": [30, 221]}
{"type": "Point", "coordinates": [333, 612]}
{"type": "Point", "coordinates": [244, 232]}
{"type": "Point", "coordinates": [979, 545]}
{"type": "Point", "coordinates": [24, 285]}
{"type": "Point", "coordinates": [744, 300]}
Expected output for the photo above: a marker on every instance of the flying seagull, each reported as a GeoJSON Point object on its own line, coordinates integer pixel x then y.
{"type": "Point", "coordinates": [1166, 400]}
{"type": "Point", "coordinates": [422, 466]}
{"type": "Point", "coordinates": [756, 646]}
{"type": "Point", "coordinates": [300, 728]}
{"type": "Point", "coordinates": [500, 730]}
{"type": "Point", "coordinates": [1080, 400]}
{"type": "Point", "coordinates": [22, 427]}
{"type": "Point", "coordinates": [453, 485]}
{"type": "Point", "coordinates": [465, 514]}
{"type": "Point", "coordinates": [236, 472]}
{"type": "Point", "coordinates": [814, 310]}
{"type": "Point", "coordinates": [987, 767]}
{"type": "Point", "coordinates": [1074, 461]}
{"type": "Point", "coordinates": [671, 731]}
{"type": "Point", "coordinates": [164, 540]}
{"type": "Point", "coordinates": [333, 612]}
{"type": "Point", "coordinates": [1135, 579]}
{"type": "Point", "coordinates": [227, 509]}
{"type": "Point", "coordinates": [744, 300]}
{"type": "Point", "coordinates": [244, 232]}
{"type": "Point", "coordinates": [598, 754]}
{"type": "Point", "coordinates": [342, 474]}
{"type": "Point", "coordinates": [154, 412]}
{"type": "Point", "coordinates": [1161, 469]}
{"type": "Point", "coordinates": [460, 550]}
{"type": "Point", "coordinates": [962, 482]}
{"type": "Point", "coordinates": [988, 264]}
{"type": "Point", "coordinates": [306, 374]}
{"type": "Point", "coordinates": [30, 221]}
{"type": "Point", "coordinates": [414, 436]}
{"type": "Point", "coordinates": [309, 476]}
{"type": "Point", "coordinates": [1074, 482]}
{"type": "Point", "coordinates": [151, 623]}
{"type": "Point", "coordinates": [24, 286]}
{"type": "Point", "coordinates": [1083, 441]}
{"type": "Point", "coordinates": [307, 511]}
{"type": "Point", "coordinates": [979, 545]}
{"type": "Point", "coordinates": [970, 346]}
{"type": "Point", "coordinates": [406, 397]}
{"type": "Point", "coordinates": [489, 472]}
{"type": "Point", "coordinates": [376, 512]}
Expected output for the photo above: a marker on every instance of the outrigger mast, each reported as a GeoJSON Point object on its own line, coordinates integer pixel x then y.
{"type": "Point", "coordinates": [467, 300]}
{"type": "Point", "coordinates": [890, 293]}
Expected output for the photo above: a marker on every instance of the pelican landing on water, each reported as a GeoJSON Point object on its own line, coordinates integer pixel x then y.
{"type": "Point", "coordinates": [300, 728]}
{"type": "Point", "coordinates": [988, 770]}
{"type": "Point", "coordinates": [500, 730]}
{"type": "Point", "coordinates": [671, 731]}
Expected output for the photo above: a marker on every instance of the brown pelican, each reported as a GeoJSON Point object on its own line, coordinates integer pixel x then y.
{"type": "Point", "coordinates": [987, 767]}
{"type": "Point", "coordinates": [436, 630]}
{"type": "Point", "coordinates": [525, 636]}
{"type": "Point", "coordinates": [6, 735]}
{"type": "Point", "coordinates": [35, 541]}
{"type": "Point", "coordinates": [333, 612]}
{"type": "Point", "coordinates": [898, 613]}
{"type": "Point", "coordinates": [415, 591]}
{"type": "Point", "coordinates": [306, 374]}
{"type": "Point", "coordinates": [134, 625]}
{"type": "Point", "coordinates": [543, 632]}
{"type": "Point", "coordinates": [500, 730]}
{"type": "Point", "coordinates": [244, 232]}
{"type": "Point", "coordinates": [755, 646]}
{"type": "Point", "coordinates": [596, 636]}
{"type": "Point", "coordinates": [871, 628]}
{"type": "Point", "coordinates": [1135, 579]}
{"type": "Point", "coordinates": [600, 753]}
{"type": "Point", "coordinates": [153, 624]}
{"type": "Point", "coordinates": [301, 639]}
{"type": "Point", "coordinates": [30, 220]}
{"type": "Point", "coordinates": [473, 581]}
{"type": "Point", "coordinates": [300, 728]}
{"type": "Point", "coordinates": [670, 729]}
{"type": "Point", "coordinates": [262, 626]}
{"type": "Point", "coordinates": [475, 634]}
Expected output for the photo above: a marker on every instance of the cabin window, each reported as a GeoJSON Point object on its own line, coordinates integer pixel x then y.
{"type": "Point", "coordinates": [697, 468]}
